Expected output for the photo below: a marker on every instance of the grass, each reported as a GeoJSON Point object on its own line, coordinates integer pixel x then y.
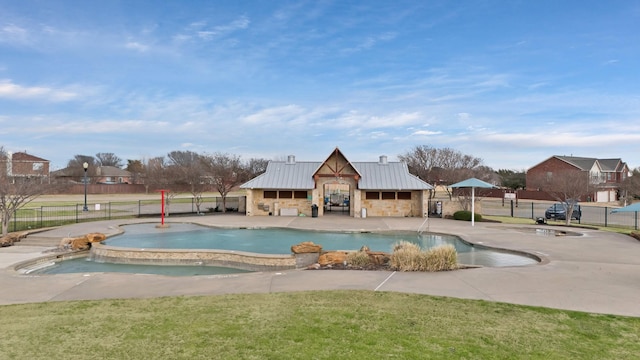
{"type": "Point", "coordinates": [310, 325]}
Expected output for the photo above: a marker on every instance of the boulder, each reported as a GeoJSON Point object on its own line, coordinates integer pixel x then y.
{"type": "Point", "coordinates": [378, 257]}
{"type": "Point", "coordinates": [306, 247]}
{"type": "Point", "coordinates": [96, 237]}
{"type": "Point", "coordinates": [81, 242]}
{"type": "Point", "coordinates": [333, 257]}
{"type": "Point", "coordinates": [13, 237]}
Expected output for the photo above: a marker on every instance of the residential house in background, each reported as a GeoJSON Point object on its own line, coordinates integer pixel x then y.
{"type": "Point", "coordinates": [23, 165]}
{"type": "Point", "coordinates": [98, 175]}
{"type": "Point", "coordinates": [606, 175]}
{"type": "Point", "coordinates": [112, 175]}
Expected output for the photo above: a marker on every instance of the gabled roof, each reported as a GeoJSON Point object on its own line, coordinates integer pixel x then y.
{"type": "Point", "coordinates": [582, 163]}
{"type": "Point", "coordinates": [372, 176]}
{"type": "Point", "coordinates": [23, 156]}
{"type": "Point", "coordinates": [611, 165]}
{"type": "Point", "coordinates": [586, 163]}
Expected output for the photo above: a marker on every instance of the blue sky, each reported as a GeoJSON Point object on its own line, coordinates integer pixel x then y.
{"type": "Point", "coordinates": [511, 82]}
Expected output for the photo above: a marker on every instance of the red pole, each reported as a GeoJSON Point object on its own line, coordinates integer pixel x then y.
{"type": "Point", "coordinates": [162, 213]}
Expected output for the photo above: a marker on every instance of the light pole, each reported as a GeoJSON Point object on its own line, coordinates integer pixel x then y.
{"type": "Point", "coordinates": [85, 166]}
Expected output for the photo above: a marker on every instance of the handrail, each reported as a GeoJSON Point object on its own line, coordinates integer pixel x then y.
{"type": "Point", "coordinates": [425, 222]}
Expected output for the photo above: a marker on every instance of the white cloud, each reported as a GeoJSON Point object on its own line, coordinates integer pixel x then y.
{"type": "Point", "coordinates": [11, 33]}
{"type": "Point", "coordinates": [425, 133]}
{"type": "Point", "coordinates": [10, 90]}
{"type": "Point", "coordinates": [134, 45]}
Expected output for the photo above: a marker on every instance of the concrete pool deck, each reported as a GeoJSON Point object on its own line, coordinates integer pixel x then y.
{"type": "Point", "coordinates": [597, 272]}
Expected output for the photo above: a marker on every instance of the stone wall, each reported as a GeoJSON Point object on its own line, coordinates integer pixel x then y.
{"type": "Point", "coordinates": [257, 205]}
{"type": "Point", "coordinates": [234, 259]}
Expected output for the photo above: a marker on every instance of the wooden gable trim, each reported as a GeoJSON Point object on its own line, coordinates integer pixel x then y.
{"type": "Point", "coordinates": [337, 167]}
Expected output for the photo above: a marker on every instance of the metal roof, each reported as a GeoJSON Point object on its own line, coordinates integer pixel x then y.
{"type": "Point", "coordinates": [285, 175]}
{"type": "Point", "coordinates": [388, 176]}
{"type": "Point", "coordinates": [299, 175]}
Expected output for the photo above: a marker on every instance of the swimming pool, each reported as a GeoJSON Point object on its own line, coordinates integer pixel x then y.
{"type": "Point", "coordinates": [269, 241]}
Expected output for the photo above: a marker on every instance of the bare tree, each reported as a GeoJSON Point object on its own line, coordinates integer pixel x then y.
{"type": "Point", "coordinates": [187, 167]}
{"type": "Point", "coordinates": [444, 166]}
{"type": "Point", "coordinates": [566, 186]}
{"type": "Point", "coordinates": [630, 187]}
{"type": "Point", "coordinates": [253, 168]}
{"type": "Point", "coordinates": [15, 192]}
{"type": "Point", "coordinates": [108, 159]}
{"type": "Point", "coordinates": [75, 166]}
{"type": "Point", "coordinates": [225, 171]}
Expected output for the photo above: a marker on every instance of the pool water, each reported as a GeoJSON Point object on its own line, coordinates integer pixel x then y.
{"type": "Point", "coordinates": [269, 241]}
{"type": "Point", "coordinates": [84, 265]}
{"type": "Point", "coordinates": [262, 241]}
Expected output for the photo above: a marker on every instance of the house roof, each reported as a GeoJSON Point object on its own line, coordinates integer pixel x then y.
{"type": "Point", "coordinates": [374, 176]}
{"type": "Point", "coordinates": [23, 156]}
{"type": "Point", "coordinates": [111, 171]}
{"type": "Point", "coordinates": [581, 163]}
{"type": "Point", "coordinates": [586, 163]}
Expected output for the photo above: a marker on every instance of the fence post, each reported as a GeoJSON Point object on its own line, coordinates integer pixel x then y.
{"type": "Point", "coordinates": [41, 215]}
{"type": "Point", "coordinates": [76, 213]}
{"type": "Point", "coordinates": [606, 220]}
{"type": "Point", "coordinates": [532, 216]}
{"type": "Point", "coordinates": [636, 219]}
{"type": "Point", "coordinates": [511, 208]}
{"type": "Point", "coordinates": [15, 220]}
{"type": "Point", "coordinates": [139, 207]}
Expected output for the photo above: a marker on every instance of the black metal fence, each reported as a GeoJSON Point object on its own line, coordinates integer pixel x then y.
{"type": "Point", "coordinates": [590, 214]}
{"type": "Point", "coordinates": [47, 216]}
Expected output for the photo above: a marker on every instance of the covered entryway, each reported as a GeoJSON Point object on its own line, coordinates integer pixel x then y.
{"type": "Point", "coordinates": [337, 198]}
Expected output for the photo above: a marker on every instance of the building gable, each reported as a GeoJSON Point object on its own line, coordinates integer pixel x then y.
{"type": "Point", "coordinates": [337, 165]}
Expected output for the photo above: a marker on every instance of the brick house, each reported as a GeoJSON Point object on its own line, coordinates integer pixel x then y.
{"type": "Point", "coordinates": [605, 174]}
{"type": "Point", "coordinates": [23, 165]}
{"type": "Point", "coordinates": [97, 175]}
{"type": "Point", "coordinates": [363, 189]}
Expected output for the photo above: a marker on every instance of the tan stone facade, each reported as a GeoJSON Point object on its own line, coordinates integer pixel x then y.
{"type": "Point", "coordinates": [338, 186]}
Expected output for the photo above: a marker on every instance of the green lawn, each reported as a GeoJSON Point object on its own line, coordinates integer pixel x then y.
{"type": "Point", "coordinates": [310, 325]}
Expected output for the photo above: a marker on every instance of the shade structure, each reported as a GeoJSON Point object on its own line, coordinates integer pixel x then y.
{"type": "Point", "coordinates": [473, 183]}
{"type": "Point", "coordinates": [631, 208]}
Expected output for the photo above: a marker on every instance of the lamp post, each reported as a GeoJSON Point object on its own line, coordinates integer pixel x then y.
{"type": "Point", "coordinates": [85, 166]}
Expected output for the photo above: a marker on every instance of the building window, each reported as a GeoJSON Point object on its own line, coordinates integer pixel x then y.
{"type": "Point", "coordinates": [285, 194]}
{"type": "Point", "coordinates": [372, 195]}
{"type": "Point", "coordinates": [299, 194]}
{"type": "Point", "coordinates": [37, 166]}
{"type": "Point", "coordinates": [388, 195]}
{"type": "Point", "coordinates": [270, 194]}
{"type": "Point", "coordinates": [404, 195]}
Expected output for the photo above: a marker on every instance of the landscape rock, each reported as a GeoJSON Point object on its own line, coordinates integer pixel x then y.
{"type": "Point", "coordinates": [306, 247]}
{"type": "Point", "coordinates": [81, 242]}
{"type": "Point", "coordinates": [12, 238]}
{"type": "Point", "coordinates": [332, 257]}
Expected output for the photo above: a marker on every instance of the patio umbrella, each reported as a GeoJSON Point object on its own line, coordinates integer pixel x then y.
{"type": "Point", "coordinates": [472, 183]}
{"type": "Point", "coordinates": [631, 208]}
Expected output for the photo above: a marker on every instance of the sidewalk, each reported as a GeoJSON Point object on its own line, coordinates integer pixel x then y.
{"type": "Point", "coordinates": [596, 272]}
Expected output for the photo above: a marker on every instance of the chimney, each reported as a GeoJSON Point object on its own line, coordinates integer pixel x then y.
{"type": "Point", "coordinates": [291, 159]}
{"type": "Point", "coordinates": [383, 160]}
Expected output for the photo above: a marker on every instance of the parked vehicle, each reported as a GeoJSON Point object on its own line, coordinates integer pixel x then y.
{"type": "Point", "coordinates": [558, 211]}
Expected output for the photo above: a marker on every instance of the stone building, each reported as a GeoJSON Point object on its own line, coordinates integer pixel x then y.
{"type": "Point", "coordinates": [336, 185]}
